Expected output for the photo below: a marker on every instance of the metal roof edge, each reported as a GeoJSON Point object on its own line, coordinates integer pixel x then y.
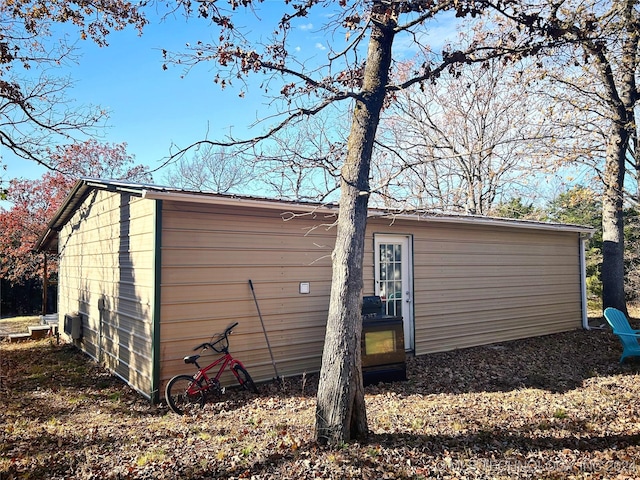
{"type": "Point", "coordinates": [233, 200]}
{"type": "Point", "coordinates": [215, 199]}
{"type": "Point", "coordinates": [54, 225]}
{"type": "Point", "coordinates": [489, 221]}
{"type": "Point", "coordinates": [84, 186]}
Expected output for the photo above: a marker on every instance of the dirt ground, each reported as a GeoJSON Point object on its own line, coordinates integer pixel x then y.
{"type": "Point", "coordinates": [552, 407]}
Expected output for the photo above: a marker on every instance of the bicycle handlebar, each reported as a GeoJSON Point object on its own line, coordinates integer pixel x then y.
{"type": "Point", "coordinates": [223, 336]}
{"type": "Point", "coordinates": [228, 330]}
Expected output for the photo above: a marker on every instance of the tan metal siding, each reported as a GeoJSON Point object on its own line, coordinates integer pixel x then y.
{"type": "Point", "coordinates": [209, 253]}
{"type": "Point", "coordinates": [106, 258]}
{"type": "Point", "coordinates": [472, 284]}
{"type": "Point", "coordinates": [478, 285]}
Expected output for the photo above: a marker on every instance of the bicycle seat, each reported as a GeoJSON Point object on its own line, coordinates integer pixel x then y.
{"type": "Point", "coordinates": [191, 359]}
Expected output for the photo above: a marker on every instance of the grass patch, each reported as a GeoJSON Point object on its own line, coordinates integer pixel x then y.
{"type": "Point", "coordinates": [18, 324]}
{"type": "Point", "coordinates": [560, 414]}
{"type": "Point", "coordinates": [155, 455]}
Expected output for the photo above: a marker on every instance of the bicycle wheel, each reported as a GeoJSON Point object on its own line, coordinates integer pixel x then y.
{"type": "Point", "coordinates": [178, 398]}
{"type": "Point", "coordinates": [245, 379]}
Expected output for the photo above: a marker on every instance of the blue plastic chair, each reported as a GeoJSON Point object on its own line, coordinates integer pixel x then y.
{"type": "Point", "coordinates": [628, 336]}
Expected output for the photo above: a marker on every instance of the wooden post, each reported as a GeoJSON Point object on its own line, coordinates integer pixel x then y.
{"type": "Point", "coordinates": [45, 285]}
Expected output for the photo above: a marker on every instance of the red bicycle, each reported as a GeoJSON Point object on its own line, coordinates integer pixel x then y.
{"type": "Point", "coordinates": [184, 392]}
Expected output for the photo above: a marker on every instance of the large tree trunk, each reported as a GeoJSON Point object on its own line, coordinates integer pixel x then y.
{"type": "Point", "coordinates": [613, 223]}
{"type": "Point", "coordinates": [622, 96]}
{"type": "Point", "coordinates": [340, 410]}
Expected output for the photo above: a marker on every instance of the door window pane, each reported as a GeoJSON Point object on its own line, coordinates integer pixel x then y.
{"type": "Point", "coordinates": [390, 270]}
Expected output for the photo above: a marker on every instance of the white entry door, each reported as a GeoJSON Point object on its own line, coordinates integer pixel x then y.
{"type": "Point", "coordinates": [394, 279]}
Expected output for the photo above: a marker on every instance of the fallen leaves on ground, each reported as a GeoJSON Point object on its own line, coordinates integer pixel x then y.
{"type": "Point", "coordinates": [559, 406]}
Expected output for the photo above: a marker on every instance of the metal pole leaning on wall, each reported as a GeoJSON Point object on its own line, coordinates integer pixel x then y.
{"type": "Point", "coordinates": [264, 330]}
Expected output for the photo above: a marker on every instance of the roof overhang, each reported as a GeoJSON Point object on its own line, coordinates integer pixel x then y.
{"type": "Point", "coordinates": [48, 241]}
{"type": "Point", "coordinates": [332, 209]}
{"type": "Point", "coordinates": [83, 188]}
{"type": "Point", "coordinates": [487, 221]}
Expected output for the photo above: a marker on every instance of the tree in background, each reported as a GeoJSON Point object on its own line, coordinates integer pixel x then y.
{"type": "Point", "coordinates": [34, 202]}
{"type": "Point", "coordinates": [304, 164]}
{"type": "Point", "coordinates": [461, 143]}
{"type": "Point", "coordinates": [632, 253]}
{"type": "Point", "coordinates": [35, 112]}
{"type": "Point", "coordinates": [3, 189]}
{"type": "Point", "coordinates": [517, 208]}
{"type": "Point", "coordinates": [92, 159]}
{"type": "Point", "coordinates": [210, 169]}
{"type": "Point", "coordinates": [599, 42]}
{"type": "Point", "coordinates": [583, 206]}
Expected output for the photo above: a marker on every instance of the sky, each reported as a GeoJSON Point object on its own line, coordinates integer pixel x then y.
{"type": "Point", "coordinates": [151, 108]}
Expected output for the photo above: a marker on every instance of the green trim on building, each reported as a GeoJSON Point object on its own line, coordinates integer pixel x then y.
{"type": "Point", "coordinates": [157, 276]}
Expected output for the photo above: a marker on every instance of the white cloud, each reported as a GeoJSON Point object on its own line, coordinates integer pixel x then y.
{"type": "Point", "coordinates": [305, 27]}
{"type": "Point", "coordinates": [320, 46]}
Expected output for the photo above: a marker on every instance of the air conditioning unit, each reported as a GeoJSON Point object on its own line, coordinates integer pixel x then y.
{"type": "Point", "coordinates": [73, 325]}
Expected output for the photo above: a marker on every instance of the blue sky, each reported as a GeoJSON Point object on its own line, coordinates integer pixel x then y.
{"type": "Point", "coordinates": [150, 107]}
